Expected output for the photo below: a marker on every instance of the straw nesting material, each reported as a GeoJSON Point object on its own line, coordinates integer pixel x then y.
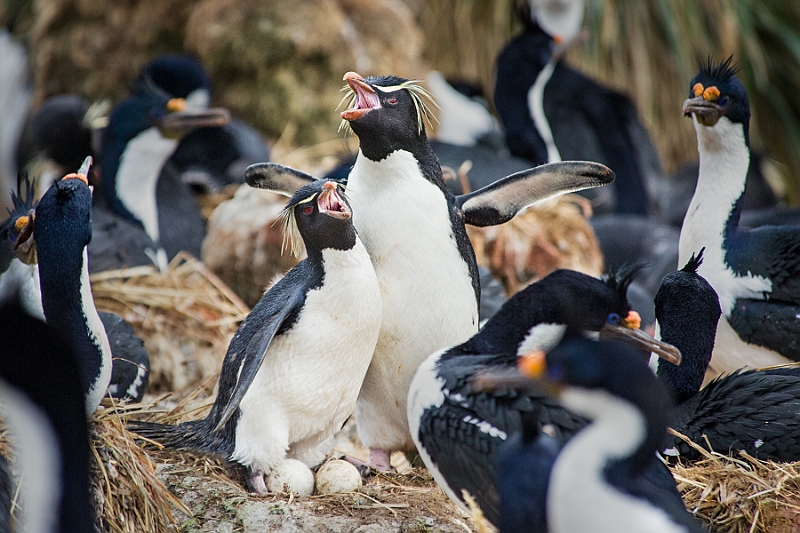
{"type": "Point", "coordinates": [740, 494]}
{"type": "Point", "coordinates": [128, 497]}
{"type": "Point", "coordinates": [544, 237]}
{"type": "Point", "coordinates": [186, 316]}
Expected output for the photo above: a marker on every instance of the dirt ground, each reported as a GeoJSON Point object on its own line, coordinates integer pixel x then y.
{"type": "Point", "coordinates": [406, 502]}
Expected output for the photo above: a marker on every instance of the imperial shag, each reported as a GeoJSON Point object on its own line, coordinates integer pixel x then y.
{"type": "Point", "coordinates": [458, 429]}
{"type": "Point", "coordinates": [755, 272]}
{"type": "Point", "coordinates": [607, 478]}
{"type": "Point", "coordinates": [551, 112]}
{"type": "Point", "coordinates": [757, 411]}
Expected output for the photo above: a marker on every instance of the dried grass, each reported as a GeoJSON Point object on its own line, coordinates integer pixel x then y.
{"type": "Point", "coordinates": [128, 496]}
{"type": "Point", "coordinates": [185, 315]}
{"type": "Point", "coordinates": [547, 236]}
{"type": "Point", "coordinates": [740, 494]}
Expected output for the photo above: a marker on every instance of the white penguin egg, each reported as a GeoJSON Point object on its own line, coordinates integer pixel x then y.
{"type": "Point", "coordinates": [338, 476]}
{"type": "Point", "coordinates": [291, 475]}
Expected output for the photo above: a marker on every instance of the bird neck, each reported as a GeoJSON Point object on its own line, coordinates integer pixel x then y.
{"type": "Point", "coordinates": [379, 149]}
{"type": "Point", "coordinates": [694, 337]}
{"type": "Point", "coordinates": [620, 436]}
{"type": "Point", "coordinates": [137, 174]}
{"type": "Point", "coordinates": [713, 213]}
{"type": "Point", "coordinates": [69, 308]}
{"type": "Point", "coordinates": [536, 107]}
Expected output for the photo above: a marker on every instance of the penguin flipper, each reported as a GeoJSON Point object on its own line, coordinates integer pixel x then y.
{"type": "Point", "coordinates": [276, 178]}
{"type": "Point", "coordinates": [500, 201]}
{"type": "Point", "coordinates": [254, 355]}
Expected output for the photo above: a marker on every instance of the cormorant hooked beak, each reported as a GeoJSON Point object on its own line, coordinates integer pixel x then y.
{"type": "Point", "coordinates": [705, 105]}
{"type": "Point", "coordinates": [529, 374]}
{"type": "Point", "coordinates": [182, 119]}
{"type": "Point", "coordinates": [628, 331]}
{"type": "Point", "coordinates": [366, 97]}
{"type": "Point", "coordinates": [330, 203]}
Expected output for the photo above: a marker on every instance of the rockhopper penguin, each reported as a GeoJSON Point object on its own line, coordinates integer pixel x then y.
{"type": "Point", "coordinates": [293, 370]}
{"type": "Point", "coordinates": [755, 272]}
{"type": "Point", "coordinates": [413, 229]}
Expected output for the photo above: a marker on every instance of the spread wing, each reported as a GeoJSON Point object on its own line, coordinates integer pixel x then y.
{"type": "Point", "coordinates": [276, 178]}
{"type": "Point", "coordinates": [500, 201]}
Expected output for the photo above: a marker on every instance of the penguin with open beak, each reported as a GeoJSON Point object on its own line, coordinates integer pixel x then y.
{"type": "Point", "coordinates": [414, 231]}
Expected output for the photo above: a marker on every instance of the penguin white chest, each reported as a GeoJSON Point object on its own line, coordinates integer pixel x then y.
{"type": "Point", "coordinates": [310, 377]}
{"type": "Point", "coordinates": [426, 287]}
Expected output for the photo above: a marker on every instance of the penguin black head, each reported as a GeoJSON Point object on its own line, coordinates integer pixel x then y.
{"type": "Point", "coordinates": [64, 217]}
{"type": "Point", "coordinates": [715, 92]}
{"type": "Point", "coordinates": [386, 113]}
{"type": "Point", "coordinates": [17, 230]}
{"type": "Point", "coordinates": [321, 215]}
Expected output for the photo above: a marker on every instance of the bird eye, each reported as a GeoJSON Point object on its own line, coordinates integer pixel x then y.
{"type": "Point", "coordinates": [393, 101]}
{"type": "Point", "coordinates": [308, 210]}
{"type": "Point", "coordinates": [723, 101]}
{"type": "Point", "coordinates": [613, 319]}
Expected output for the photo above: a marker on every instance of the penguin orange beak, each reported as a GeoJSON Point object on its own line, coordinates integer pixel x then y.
{"type": "Point", "coordinates": [628, 330]}
{"type": "Point", "coordinates": [330, 203]}
{"type": "Point", "coordinates": [366, 98]}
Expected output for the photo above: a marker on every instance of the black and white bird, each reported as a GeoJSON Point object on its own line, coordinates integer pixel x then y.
{"type": "Point", "coordinates": [292, 373]}
{"type": "Point", "coordinates": [757, 411]}
{"type": "Point", "coordinates": [41, 389]}
{"type": "Point", "coordinates": [458, 429]}
{"type": "Point", "coordinates": [143, 132]}
{"type": "Point", "coordinates": [607, 478]}
{"type": "Point", "coordinates": [63, 229]}
{"type": "Point", "coordinates": [551, 112]}
{"type": "Point", "coordinates": [413, 229]}
{"type": "Point", "coordinates": [129, 359]}
{"type": "Point", "coordinates": [755, 272]}
{"type": "Point", "coordinates": [21, 273]}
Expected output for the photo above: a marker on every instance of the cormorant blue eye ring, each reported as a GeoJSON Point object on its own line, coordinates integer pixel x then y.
{"type": "Point", "coordinates": [613, 319]}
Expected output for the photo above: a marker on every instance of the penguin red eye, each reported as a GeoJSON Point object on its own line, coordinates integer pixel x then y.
{"type": "Point", "coordinates": [308, 210]}
{"type": "Point", "coordinates": [393, 101]}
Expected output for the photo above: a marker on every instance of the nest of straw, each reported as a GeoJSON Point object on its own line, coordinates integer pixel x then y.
{"type": "Point", "coordinates": [545, 237]}
{"type": "Point", "coordinates": [741, 494]}
{"type": "Point", "coordinates": [128, 497]}
{"type": "Point", "coordinates": [186, 316]}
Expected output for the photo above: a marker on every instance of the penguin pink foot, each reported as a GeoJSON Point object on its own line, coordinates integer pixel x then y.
{"type": "Point", "coordinates": [256, 483]}
{"type": "Point", "coordinates": [379, 461]}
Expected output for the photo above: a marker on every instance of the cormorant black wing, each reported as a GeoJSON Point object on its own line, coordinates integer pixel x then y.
{"type": "Point", "coordinates": [500, 201]}
{"type": "Point", "coordinates": [768, 323]}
